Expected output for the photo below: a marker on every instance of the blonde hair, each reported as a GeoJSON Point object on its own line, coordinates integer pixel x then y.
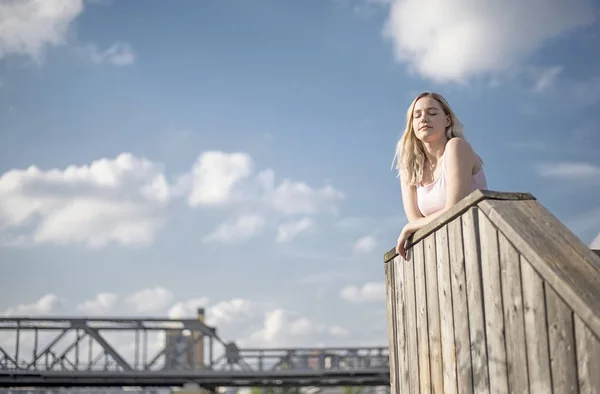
{"type": "Point", "coordinates": [410, 152]}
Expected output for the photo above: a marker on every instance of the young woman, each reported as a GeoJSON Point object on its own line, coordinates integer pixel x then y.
{"type": "Point", "coordinates": [436, 165]}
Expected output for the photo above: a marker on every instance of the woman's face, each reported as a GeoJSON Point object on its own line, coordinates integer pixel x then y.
{"type": "Point", "coordinates": [429, 120]}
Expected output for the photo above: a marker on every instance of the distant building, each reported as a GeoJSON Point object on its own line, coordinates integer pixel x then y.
{"type": "Point", "coordinates": [185, 350]}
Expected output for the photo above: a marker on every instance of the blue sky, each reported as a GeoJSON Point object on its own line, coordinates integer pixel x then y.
{"type": "Point", "coordinates": [237, 155]}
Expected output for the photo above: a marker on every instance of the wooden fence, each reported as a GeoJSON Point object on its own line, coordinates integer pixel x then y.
{"type": "Point", "coordinates": [496, 296]}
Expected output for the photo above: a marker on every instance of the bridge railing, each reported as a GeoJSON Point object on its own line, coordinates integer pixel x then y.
{"type": "Point", "coordinates": [496, 295]}
{"type": "Point", "coordinates": [158, 345]}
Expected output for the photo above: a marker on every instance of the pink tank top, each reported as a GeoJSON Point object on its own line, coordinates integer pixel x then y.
{"type": "Point", "coordinates": [432, 197]}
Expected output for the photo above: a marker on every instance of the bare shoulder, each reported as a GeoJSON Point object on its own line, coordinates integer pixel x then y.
{"type": "Point", "coordinates": [458, 149]}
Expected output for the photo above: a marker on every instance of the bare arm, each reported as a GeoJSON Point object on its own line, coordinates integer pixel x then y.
{"type": "Point", "coordinates": [459, 158]}
{"type": "Point", "coordinates": [409, 201]}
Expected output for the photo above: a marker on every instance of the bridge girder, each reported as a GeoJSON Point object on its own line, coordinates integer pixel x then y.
{"type": "Point", "coordinates": [187, 351]}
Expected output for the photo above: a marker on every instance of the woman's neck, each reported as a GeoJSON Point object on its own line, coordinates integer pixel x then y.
{"type": "Point", "coordinates": [435, 150]}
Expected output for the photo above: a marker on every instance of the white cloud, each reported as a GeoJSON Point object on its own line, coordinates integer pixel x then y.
{"type": "Point", "coordinates": [118, 54]}
{"type": "Point", "coordinates": [291, 197]}
{"type": "Point", "coordinates": [213, 177]}
{"type": "Point", "coordinates": [47, 304]}
{"type": "Point", "coordinates": [111, 200]}
{"type": "Point", "coordinates": [595, 242]}
{"type": "Point", "coordinates": [365, 244]}
{"type": "Point", "coordinates": [101, 304]}
{"type": "Point", "coordinates": [242, 229]}
{"type": "Point", "coordinates": [26, 26]}
{"type": "Point", "coordinates": [220, 177]}
{"type": "Point", "coordinates": [123, 201]}
{"type": "Point", "coordinates": [569, 170]}
{"type": "Point", "coordinates": [253, 324]}
{"type": "Point", "coordinates": [455, 41]}
{"type": "Point", "coordinates": [369, 292]}
{"type": "Point", "coordinates": [283, 328]}
{"type": "Point", "coordinates": [187, 309]}
{"type": "Point", "coordinates": [150, 300]}
{"type": "Point", "coordinates": [229, 311]}
{"type": "Point", "coordinates": [290, 230]}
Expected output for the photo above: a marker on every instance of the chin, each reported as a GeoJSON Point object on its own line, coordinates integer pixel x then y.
{"type": "Point", "coordinates": [429, 135]}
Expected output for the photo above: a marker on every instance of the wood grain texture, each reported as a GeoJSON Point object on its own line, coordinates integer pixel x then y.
{"type": "Point", "coordinates": [588, 358]}
{"type": "Point", "coordinates": [561, 336]}
{"type": "Point", "coordinates": [391, 324]}
{"type": "Point", "coordinates": [462, 206]}
{"type": "Point", "coordinates": [460, 311]}
{"type": "Point", "coordinates": [422, 324]}
{"type": "Point", "coordinates": [512, 300]}
{"type": "Point", "coordinates": [446, 318]}
{"type": "Point", "coordinates": [493, 309]}
{"type": "Point", "coordinates": [411, 323]}
{"type": "Point", "coordinates": [400, 323]}
{"type": "Point", "coordinates": [536, 330]}
{"type": "Point", "coordinates": [433, 317]}
{"type": "Point", "coordinates": [477, 332]}
{"type": "Point", "coordinates": [563, 261]}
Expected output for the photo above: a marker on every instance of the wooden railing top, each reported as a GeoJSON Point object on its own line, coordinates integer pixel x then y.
{"type": "Point", "coordinates": [461, 207]}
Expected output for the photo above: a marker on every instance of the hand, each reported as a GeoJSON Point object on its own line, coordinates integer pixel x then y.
{"type": "Point", "coordinates": [404, 235]}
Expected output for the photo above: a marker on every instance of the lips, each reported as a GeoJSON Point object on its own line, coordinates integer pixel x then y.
{"type": "Point", "coordinates": [424, 127]}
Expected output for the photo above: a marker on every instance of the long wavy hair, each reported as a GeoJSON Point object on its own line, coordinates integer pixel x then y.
{"type": "Point", "coordinates": [410, 152]}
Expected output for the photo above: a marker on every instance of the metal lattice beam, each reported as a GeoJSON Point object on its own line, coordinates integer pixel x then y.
{"type": "Point", "coordinates": [93, 352]}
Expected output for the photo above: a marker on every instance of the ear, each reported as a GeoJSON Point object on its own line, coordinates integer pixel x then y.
{"type": "Point", "coordinates": [448, 120]}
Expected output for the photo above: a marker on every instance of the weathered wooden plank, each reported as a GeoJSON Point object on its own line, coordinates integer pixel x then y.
{"type": "Point", "coordinates": [458, 209]}
{"type": "Point", "coordinates": [563, 261]}
{"type": "Point", "coordinates": [588, 358]}
{"type": "Point", "coordinates": [391, 321]}
{"type": "Point", "coordinates": [422, 325]}
{"type": "Point", "coordinates": [563, 362]}
{"type": "Point", "coordinates": [411, 324]}
{"type": "Point", "coordinates": [510, 269]}
{"type": "Point", "coordinates": [464, 378]}
{"type": "Point", "coordinates": [477, 334]}
{"type": "Point", "coordinates": [536, 331]}
{"type": "Point", "coordinates": [492, 299]}
{"type": "Point", "coordinates": [433, 315]}
{"type": "Point", "coordinates": [446, 318]}
{"type": "Point", "coordinates": [402, 366]}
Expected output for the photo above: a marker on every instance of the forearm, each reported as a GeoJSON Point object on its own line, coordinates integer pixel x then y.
{"type": "Point", "coordinates": [421, 222]}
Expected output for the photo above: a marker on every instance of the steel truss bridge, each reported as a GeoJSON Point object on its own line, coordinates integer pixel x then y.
{"type": "Point", "coordinates": [118, 352]}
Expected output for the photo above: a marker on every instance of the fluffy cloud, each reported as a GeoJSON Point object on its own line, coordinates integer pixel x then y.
{"type": "Point", "coordinates": [248, 323]}
{"type": "Point", "coordinates": [242, 229]}
{"type": "Point", "coordinates": [595, 242]}
{"type": "Point", "coordinates": [26, 26]}
{"type": "Point", "coordinates": [150, 300]}
{"type": "Point", "coordinates": [282, 328]}
{"type": "Point", "coordinates": [213, 177]}
{"type": "Point", "coordinates": [369, 292]}
{"type": "Point", "coordinates": [189, 308]}
{"type": "Point", "coordinates": [49, 303]}
{"type": "Point", "coordinates": [454, 41]}
{"type": "Point", "coordinates": [111, 200]}
{"type": "Point", "coordinates": [290, 230]}
{"type": "Point", "coordinates": [122, 201]}
{"type": "Point", "coordinates": [365, 244]}
{"type": "Point", "coordinates": [219, 178]}
{"type": "Point", "coordinates": [101, 304]}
